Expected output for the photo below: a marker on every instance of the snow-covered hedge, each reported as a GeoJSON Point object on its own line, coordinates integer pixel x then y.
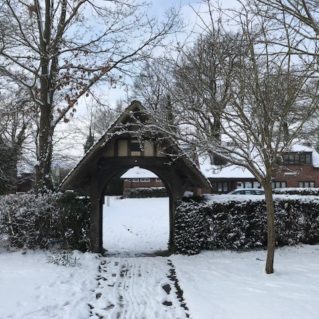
{"type": "Point", "coordinates": [297, 191]}
{"type": "Point", "coordinates": [190, 227]}
{"type": "Point", "coordinates": [242, 224]}
{"type": "Point", "coordinates": [142, 192]}
{"type": "Point", "coordinates": [45, 221]}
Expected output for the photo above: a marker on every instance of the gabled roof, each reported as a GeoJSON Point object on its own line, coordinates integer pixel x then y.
{"type": "Point", "coordinates": [300, 148]}
{"type": "Point", "coordinates": [137, 172]}
{"type": "Point", "coordinates": [94, 151]}
{"type": "Point", "coordinates": [223, 171]}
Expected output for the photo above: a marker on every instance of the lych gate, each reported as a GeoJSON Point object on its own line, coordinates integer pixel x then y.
{"type": "Point", "coordinates": [124, 146]}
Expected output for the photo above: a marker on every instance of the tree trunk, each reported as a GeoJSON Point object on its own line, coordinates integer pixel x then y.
{"type": "Point", "coordinates": [13, 170]}
{"type": "Point", "coordinates": [43, 169]}
{"type": "Point", "coordinates": [271, 235]}
{"type": "Point", "coordinates": [44, 156]}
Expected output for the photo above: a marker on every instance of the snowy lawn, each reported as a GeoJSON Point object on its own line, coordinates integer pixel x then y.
{"type": "Point", "coordinates": [229, 285]}
{"type": "Point", "coordinates": [135, 226]}
{"type": "Point", "coordinates": [32, 288]}
{"type": "Point", "coordinates": [216, 284]}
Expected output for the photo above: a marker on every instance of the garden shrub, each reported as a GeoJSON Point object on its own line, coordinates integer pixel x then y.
{"type": "Point", "coordinates": [142, 192]}
{"type": "Point", "coordinates": [190, 218]}
{"type": "Point", "coordinates": [63, 258]}
{"type": "Point", "coordinates": [242, 224]}
{"type": "Point", "coordinates": [45, 220]}
{"type": "Point", "coordinates": [297, 191]}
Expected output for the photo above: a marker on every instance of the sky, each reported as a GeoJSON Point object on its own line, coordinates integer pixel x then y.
{"type": "Point", "coordinates": [158, 9]}
{"type": "Point", "coordinates": [187, 9]}
{"type": "Point", "coordinates": [74, 132]}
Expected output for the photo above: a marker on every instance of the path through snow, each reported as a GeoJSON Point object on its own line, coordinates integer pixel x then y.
{"type": "Point", "coordinates": [135, 226]}
{"type": "Point", "coordinates": [137, 288]}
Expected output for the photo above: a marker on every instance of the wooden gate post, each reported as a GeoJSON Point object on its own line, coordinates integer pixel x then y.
{"type": "Point", "coordinates": [171, 240]}
{"type": "Point", "coordinates": [96, 220]}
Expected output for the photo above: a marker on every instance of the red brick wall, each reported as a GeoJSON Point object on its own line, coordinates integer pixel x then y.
{"type": "Point", "coordinates": [292, 174]}
{"type": "Point", "coordinates": [152, 183]}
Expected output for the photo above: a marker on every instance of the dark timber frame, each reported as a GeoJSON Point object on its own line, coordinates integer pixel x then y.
{"type": "Point", "coordinates": [113, 155]}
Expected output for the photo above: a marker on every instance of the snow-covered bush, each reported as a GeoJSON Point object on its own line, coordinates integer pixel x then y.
{"type": "Point", "coordinates": [242, 224]}
{"type": "Point", "coordinates": [297, 191]}
{"type": "Point", "coordinates": [142, 192]}
{"type": "Point", "coordinates": [64, 258]}
{"type": "Point", "coordinates": [46, 220]}
{"type": "Point", "coordinates": [190, 227]}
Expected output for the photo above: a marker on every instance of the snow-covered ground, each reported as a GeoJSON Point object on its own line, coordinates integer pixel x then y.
{"type": "Point", "coordinates": [32, 288]}
{"type": "Point", "coordinates": [229, 285]}
{"type": "Point", "coordinates": [134, 226]}
{"type": "Point", "coordinates": [215, 284]}
{"type": "Point", "coordinates": [136, 288]}
{"type": "Point", "coordinates": [222, 198]}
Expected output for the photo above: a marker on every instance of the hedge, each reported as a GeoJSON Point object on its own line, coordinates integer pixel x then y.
{"type": "Point", "coordinates": [297, 191]}
{"type": "Point", "coordinates": [241, 225]}
{"type": "Point", "coordinates": [52, 220]}
{"type": "Point", "coordinates": [145, 192]}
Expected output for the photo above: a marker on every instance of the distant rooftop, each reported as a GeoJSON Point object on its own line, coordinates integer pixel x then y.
{"type": "Point", "coordinates": [218, 171]}
{"type": "Point", "coordinates": [306, 148]}
{"type": "Point", "coordinates": [137, 172]}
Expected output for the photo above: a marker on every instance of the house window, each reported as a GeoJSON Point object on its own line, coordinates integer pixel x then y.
{"type": "Point", "coordinates": [144, 179]}
{"type": "Point", "coordinates": [306, 184]}
{"type": "Point", "coordinates": [135, 146]}
{"type": "Point", "coordinates": [248, 184]}
{"type": "Point", "coordinates": [222, 187]}
{"type": "Point", "coordinates": [276, 184]}
{"type": "Point", "coordinates": [122, 148]}
{"type": "Point", "coordinates": [136, 179]}
{"type": "Point", "coordinates": [297, 158]}
{"type": "Point", "coordinates": [256, 185]}
{"type": "Point", "coordinates": [158, 180]}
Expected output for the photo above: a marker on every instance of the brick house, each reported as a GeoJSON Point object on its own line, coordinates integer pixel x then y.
{"type": "Point", "coordinates": [224, 179]}
{"type": "Point", "coordinates": [300, 168]}
{"type": "Point", "coordinates": [137, 177]}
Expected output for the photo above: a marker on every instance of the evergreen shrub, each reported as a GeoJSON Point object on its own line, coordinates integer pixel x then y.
{"type": "Point", "coordinates": [239, 225]}
{"type": "Point", "coordinates": [142, 192]}
{"type": "Point", "coordinates": [51, 220]}
{"type": "Point", "coordinates": [297, 191]}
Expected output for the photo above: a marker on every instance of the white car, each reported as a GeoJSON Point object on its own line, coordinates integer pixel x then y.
{"type": "Point", "coordinates": [247, 191]}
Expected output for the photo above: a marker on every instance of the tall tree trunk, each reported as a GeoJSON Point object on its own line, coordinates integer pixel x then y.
{"type": "Point", "coordinates": [271, 234]}
{"type": "Point", "coordinates": [43, 169]}
{"type": "Point", "coordinates": [14, 170]}
{"type": "Point", "coordinates": [217, 127]}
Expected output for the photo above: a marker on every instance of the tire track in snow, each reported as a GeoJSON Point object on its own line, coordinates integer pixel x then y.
{"type": "Point", "coordinates": [137, 288]}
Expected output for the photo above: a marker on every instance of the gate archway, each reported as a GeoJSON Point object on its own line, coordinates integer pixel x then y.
{"type": "Point", "coordinates": [122, 147]}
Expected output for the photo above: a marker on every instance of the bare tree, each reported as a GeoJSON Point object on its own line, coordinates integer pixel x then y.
{"type": "Point", "coordinates": [153, 87]}
{"type": "Point", "coordinates": [299, 19]}
{"type": "Point", "coordinates": [262, 97]}
{"type": "Point", "coordinates": [271, 95]}
{"type": "Point", "coordinates": [16, 118]}
{"type": "Point", "coordinates": [102, 117]}
{"type": "Point", "coordinates": [203, 76]}
{"type": "Point", "coordinates": [59, 50]}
